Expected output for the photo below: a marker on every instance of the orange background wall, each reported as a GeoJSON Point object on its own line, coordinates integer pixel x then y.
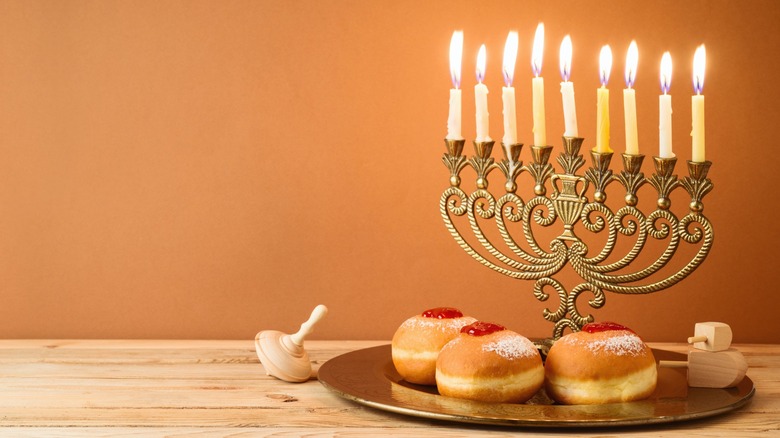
{"type": "Point", "coordinates": [205, 169]}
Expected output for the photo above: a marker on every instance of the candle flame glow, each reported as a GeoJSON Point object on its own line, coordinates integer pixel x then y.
{"type": "Point", "coordinates": [510, 57]}
{"type": "Point", "coordinates": [632, 60]}
{"type": "Point", "coordinates": [666, 72]}
{"type": "Point", "coordinates": [605, 64]}
{"type": "Point", "coordinates": [456, 56]}
{"type": "Point", "coordinates": [699, 62]}
{"type": "Point", "coordinates": [565, 58]}
{"type": "Point", "coordinates": [481, 63]}
{"type": "Point", "coordinates": [538, 50]}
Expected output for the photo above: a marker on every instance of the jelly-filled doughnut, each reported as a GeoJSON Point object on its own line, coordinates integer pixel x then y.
{"type": "Point", "coordinates": [487, 362]}
{"type": "Point", "coordinates": [603, 363]}
{"type": "Point", "coordinates": [417, 342]}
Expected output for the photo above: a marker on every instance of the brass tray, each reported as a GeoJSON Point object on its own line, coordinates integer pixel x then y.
{"type": "Point", "coordinates": [368, 377]}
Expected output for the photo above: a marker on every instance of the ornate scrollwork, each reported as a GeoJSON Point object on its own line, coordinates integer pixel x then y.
{"type": "Point", "coordinates": [701, 228]}
{"type": "Point", "coordinates": [453, 200]}
{"type": "Point", "coordinates": [512, 207]}
{"type": "Point", "coordinates": [478, 207]}
{"type": "Point", "coordinates": [567, 304]}
{"type": "Point", "coordinates": [528, 260]}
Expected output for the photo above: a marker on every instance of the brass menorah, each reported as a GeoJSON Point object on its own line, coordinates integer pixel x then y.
{"type": "Point", "coordinates": [569, 205]}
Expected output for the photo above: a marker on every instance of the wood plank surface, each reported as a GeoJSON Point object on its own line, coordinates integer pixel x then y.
{"type": "Point", "coordinates": [95, 388]}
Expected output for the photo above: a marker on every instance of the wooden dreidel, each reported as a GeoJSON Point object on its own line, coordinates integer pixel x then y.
{"type": "Point", "coordinates": [711, 336]}
{"type": "Point", "coordinates": [283, 355]}
{"type": "Point", "coordinates": [712, 369]}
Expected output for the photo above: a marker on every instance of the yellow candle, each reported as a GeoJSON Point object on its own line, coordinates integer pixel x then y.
{"type": "Point", "coordinates": [454, 119]}
{"type": "Point", "coordinates": [540, 129]}
{"type": "Point", "coordinates": [508, 92]}
{"type": "Point", "coordinates": [480, 98]}
{"type": "Point", "coordinates": [567, 90]}
{"type": "Point", "coordinates": [602, 102]}
{"type": "Point", "coordinates": [697, 106]}
{"type": "Point", "coordinates": [629, 100]}
{"type": "Point", "coordinates": [665, 109]}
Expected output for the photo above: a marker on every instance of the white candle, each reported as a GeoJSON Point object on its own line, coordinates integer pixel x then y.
{"type": "Point", "coordinates": [697, 106]}
{"type": "Point", "coordinates": [508, 92]}
{"type": "Point", "coordinates": [629, 100]}
{"type": "Point", "coordinates": [540, 129]}
{"type": "Point", "coordinates": [567, 90]}
{"type": "Point", "coordinates": [456, 55]}
{"type": "Point", "coordinates": [665, 109]}
{"type": "Point", "coordinates": [602, 102]}
{"type": "Point", "coordinates": [480, 98]}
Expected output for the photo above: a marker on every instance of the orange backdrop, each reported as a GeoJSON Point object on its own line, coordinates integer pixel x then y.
{"type": "Point", "coordinates": [205, 169]}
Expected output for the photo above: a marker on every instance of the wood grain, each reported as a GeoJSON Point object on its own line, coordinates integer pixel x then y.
{"type": "Point", "coordinates": [68, 388]}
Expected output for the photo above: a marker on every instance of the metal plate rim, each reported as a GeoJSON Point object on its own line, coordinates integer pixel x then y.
{"type": "Point", "coordinates": [332, 374]}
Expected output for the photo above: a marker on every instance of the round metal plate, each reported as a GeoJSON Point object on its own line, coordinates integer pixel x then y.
{"type": "Point", "coordinates": [368, 377]}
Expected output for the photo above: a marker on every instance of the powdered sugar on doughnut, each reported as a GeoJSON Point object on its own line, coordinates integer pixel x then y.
{"type": "Point", "coordinates": [511, 347]}
{"type": "Point", "coordinates": [621, 345]}
{"type": "Point", "coordinates": [443, 325]}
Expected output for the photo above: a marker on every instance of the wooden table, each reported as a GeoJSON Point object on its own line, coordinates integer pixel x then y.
{"type": "Point", "coordinates": [92, 388]}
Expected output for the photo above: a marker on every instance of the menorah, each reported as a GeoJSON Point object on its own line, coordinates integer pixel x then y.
{"type": "Point", "coordinates": [569, 205]}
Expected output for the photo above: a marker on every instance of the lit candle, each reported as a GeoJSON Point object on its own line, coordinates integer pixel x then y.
{"type": "Point", "coordinates": [456, 54]}
{"type": "Point", "coordinates": [480, 98]}
{"type": "Point", "coordinates": [629, 100]}
{"type": "Point", "coordinates": [602, 102]}
{"type": "Point", "coordinates": [540, 130]}
{"type": "Point", "coordinates": [665, 109]}
{"type": "Point", "coordinates": [567, 90]}
{"type": "Point", "coordinates": [697, 105]}
{"type": "Point", "coordinates": [508, 92]}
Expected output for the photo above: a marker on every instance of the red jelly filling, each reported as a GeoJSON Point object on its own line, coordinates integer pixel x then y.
{"type": "Point", "coordinates": [595, 327]}
{"type": "Point", "coordinates": [480, 328]}
{"type": "Point", "coordinates": [442, 313]}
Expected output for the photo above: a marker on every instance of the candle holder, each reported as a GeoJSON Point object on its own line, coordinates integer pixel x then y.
{"type": "Point", "coordinates": [518, 220]}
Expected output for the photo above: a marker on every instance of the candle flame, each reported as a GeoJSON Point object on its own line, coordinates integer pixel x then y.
{"type": "Point", "coordinates": [666, 72]}
{"type": "Point", "coordinates": [565, 58]}
{"type": "Point", "coordinates": [456, 57]}
{"type": "Point", "coordinates": [481, 62]}
{"type": "Point", "coordinates": [605, 64]}
{"type": "Point", "coordinates": [632, 60]}
{"type": "Point", "coordinates": [510, 57]}
{"type": "Point", "coordinates": [538, 50]}
{"type": "Point", "coordinates": [699, 62]}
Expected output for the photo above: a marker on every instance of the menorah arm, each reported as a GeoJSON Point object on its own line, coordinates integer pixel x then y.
{"type": "Point", "coordinates": [597, 226]}
{"type": "Point", "coordinates": [504, 210]}
{"type": "Point", "coordinates": [614, 283]}
{"type": "Point", "coordinates": [463, 205]}
{"type": "Point", "coordinates": [630, 228]}
{"type": "Point", "coordinates": [651, 227]}
{"type": "Point", "coordinates": [539, 218]}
